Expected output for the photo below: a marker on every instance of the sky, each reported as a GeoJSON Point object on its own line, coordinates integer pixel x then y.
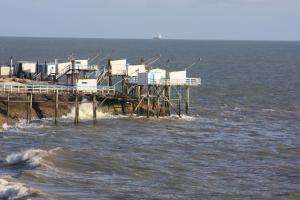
{"type": "Point", "coordinates": [174, 19]}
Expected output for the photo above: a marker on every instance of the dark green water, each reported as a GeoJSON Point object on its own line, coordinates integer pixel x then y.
{"type": "Point", "coordinates": [240, 142]}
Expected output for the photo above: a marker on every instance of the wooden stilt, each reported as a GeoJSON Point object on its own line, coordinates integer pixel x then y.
{"type": "Point", "coordinates": [7, 109]}
{"type": "Point", "coordinates": [163, 103]}
{"type": "Point", "coordinates": [179, 100]}
{"type": "Point", "coordinates": [148, 103]}
{"type": "Point", "coordinates": [168, 96]}
{"type": "Point", "coordinates": [56, 107]}
{"type": "Point", "coordinates": [29, 107]}
{"type": "Point", "coordinates": [138, 94]}
{"type": "Point", "coordinates": [187, 99]}
{"type": "Point", "coordinates": [123, 84]}
{"type": "Point", "coordinates": [157, 106]}
{"type": "Point", "coordinates": [94, 108]}
{"type": "Point", "coordinates": [76, 108]}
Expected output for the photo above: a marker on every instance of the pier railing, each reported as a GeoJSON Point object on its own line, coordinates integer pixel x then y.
{"type": "Point", "coordinates": [47, 88]}
{"type": "Point", "coordinates": [187, 81]}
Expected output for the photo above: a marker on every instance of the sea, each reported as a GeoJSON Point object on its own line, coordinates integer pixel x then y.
{"type": "Point", "coordinates": [241, 139]}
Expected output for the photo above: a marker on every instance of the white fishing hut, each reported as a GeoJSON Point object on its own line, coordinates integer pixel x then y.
{"type": "Point", "coordinates": [134, 70]}
{"type": "Point", "coordinates": [118, 67]}
{"type": "Point", "coordinates": [26, 69]}
{"type": "Point", "coordinates": [149, 78]}
{"type": "Point", "coordinates": [6, 71]}
{"type": "Point", "coordinates": [51, 67]}
{"type": "Point", "coordinates": [163, 72]}
{"type": "Point", "coordinates": [177, 77]}
{"type": "Point", "coordinates": [81, 64]}
{"type": "Point", "coordinates": [86, 85]}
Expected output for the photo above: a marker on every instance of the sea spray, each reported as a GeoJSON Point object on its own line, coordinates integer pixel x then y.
{"type": "Point", "coordinates": [11, 190]}
{"type": "Point", "coordinates": [86, 112]}
{"type": "Point", "coordinates": [32, 157]}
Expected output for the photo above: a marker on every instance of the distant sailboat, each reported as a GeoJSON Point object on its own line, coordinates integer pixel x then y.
{"type": "Point", "coordinates": [158, 36]}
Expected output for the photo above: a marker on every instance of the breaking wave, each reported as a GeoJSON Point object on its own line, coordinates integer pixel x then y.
{"type": "Point", "coordinates": [31, 157]}
{"type": "Point", "coordinates": [11, 190]}
{"type": "Point", "coordinates": [86, 113]}
{"type": "Point", "coordinates": [23, 125]}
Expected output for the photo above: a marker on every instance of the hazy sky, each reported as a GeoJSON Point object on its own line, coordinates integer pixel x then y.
{"type": "Point", "coordinates": [175, 19]}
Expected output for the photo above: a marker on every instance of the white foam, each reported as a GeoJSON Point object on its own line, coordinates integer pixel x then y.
{"type": "Point", "coordinates": [11, 190]}
{"type": "Point", "coordinates": [86, 113]}
{"type": "Point", "coordinates": [5, 126]}
{"type": "Point", "coordinates": [33, 157]}
{"type": "Point", "coordinates": [22, 124]}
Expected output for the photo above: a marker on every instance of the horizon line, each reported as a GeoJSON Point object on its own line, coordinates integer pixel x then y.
{"type": "Point", "coordinates": [185, 39]}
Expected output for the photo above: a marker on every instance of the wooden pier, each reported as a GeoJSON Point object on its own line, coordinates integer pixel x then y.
{"type": "Point", "coordinates": [151, 97]}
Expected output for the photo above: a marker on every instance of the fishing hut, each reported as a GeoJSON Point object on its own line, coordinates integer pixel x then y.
{"type": "Point", "coordinates": [149, 91]}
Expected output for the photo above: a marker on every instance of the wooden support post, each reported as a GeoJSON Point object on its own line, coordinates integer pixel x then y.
{"type": "Point", "coordinates": [157, 107]}
{"type": "Point", "coordinates": [76, 108]}
{"type": "Point", "coordinates": [187, 99]}
{"type": "Point", "coordinates": [29, 107]}
{"type": "Point", "coordinates": [123, 84]}
{"type": "Point", "coordinates": [73, 71]}
{"type": "Point", "coordinates": [138, 93]}
{"type": "Point", "coordinates": [179, 100]}
{"type": "Point", "coordinates": [7, 109]}
{"type": "Point", "coordinates": [148, 103]}
{"type": "Point", "coordinates": [94, 108]}
{"type": "Point", "coordinates": [56, 107]}
{"type": "Point", "coordinates": [69, 81]}
{"type": "Point", "coordinates": [163, 102]}
{"type": "Point", "coordinates": [168, 96]}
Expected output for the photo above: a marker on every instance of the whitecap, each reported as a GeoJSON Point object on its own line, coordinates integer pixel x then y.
{"type": "Point", "coordinates": [11, 190]}
{"type": "Point", "coordinates": [32, 157]}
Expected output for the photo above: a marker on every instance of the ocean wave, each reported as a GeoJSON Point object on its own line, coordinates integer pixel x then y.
{"type": "Point", "coordinates": [22, 124]}
{"type": "Point", "coordinates": [86, 113]}
{"type": "Point", "coordinates": [11, 190]}
{"type": "Point", "coordinates": [32, 157]}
